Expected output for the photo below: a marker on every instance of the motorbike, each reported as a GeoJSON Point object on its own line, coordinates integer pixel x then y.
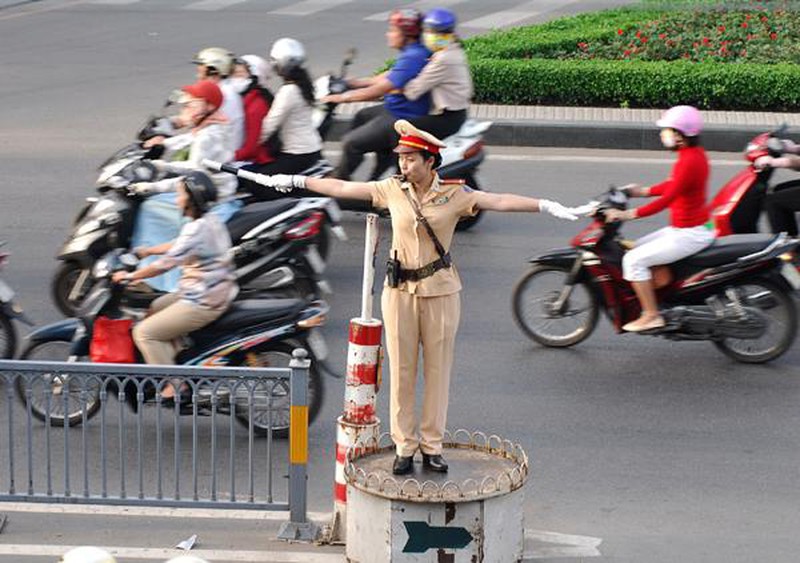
{"type": "Point", "coordinates": [737, 293]}
{"type": "Point", "coordinates": [277, 245]}
{"type": "Point", "coordinates": [254, 333]}
{"type": "Point", "coordinates": [9, 311]}
{"type": "Point", "coordinates": [461, 158]}
{"type": "Point", "coordinates": [736, 207]}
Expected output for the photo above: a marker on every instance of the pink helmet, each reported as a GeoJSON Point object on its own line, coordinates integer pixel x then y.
{"type": "Point", "coordinates": [684, 119]}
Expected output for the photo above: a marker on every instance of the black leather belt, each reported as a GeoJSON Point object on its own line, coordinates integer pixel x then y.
{"type": "Point", "coordinates": [427, 270]}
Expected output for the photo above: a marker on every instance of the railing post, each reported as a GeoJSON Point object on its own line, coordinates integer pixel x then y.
{"type": "Point", "coordinates": [298, 528]}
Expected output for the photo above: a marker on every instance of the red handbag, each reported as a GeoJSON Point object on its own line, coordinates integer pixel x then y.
{"type": "Point", "coordinates": [112, 342]}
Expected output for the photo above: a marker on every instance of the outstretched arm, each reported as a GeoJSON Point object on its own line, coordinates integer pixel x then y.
{"type": "Point", "coordinates": [332, 187]}
{"type": "Point", "coordinates": [513, 202]}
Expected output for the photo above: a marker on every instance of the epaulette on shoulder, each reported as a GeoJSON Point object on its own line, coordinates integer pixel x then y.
{"type": "Point", "coordinates": [453, 181]}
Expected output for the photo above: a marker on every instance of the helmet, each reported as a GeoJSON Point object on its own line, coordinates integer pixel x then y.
{"type": "Point", "coordinates": [201, 189]}
{"type": "Point", "coordinates": [440, 20]}
{"type": "Point", "coordinates": [205, 90]}
{"type": "Point", "coordinates": [87, 554]}
{"type": "Point", "coordinates": [257, 66]}
{"type": "Point", "coordinates": [186, 559]}
{"type": "Point", "coordinates": [286, 54]}
{"type": "Point", "coordinates": [216, 59]}
{"type": "Point", "coordinates": [687, 120]}
{"type": "Point", "coordinates": [408, 20]}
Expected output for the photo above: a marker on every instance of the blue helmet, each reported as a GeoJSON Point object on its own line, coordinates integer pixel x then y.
{"type": "Point", "coordinates": [440, 20]}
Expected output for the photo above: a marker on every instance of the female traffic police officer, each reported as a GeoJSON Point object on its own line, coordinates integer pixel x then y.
{"type": "Point", "coordinates": [420, 301]}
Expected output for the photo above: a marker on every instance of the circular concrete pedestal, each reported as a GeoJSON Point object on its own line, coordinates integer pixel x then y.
{"type": "Point", "coordinates": [473, 513]}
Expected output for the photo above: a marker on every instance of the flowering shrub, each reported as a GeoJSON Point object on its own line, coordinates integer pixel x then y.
{"type": "Point", "coordinates": [647, 57]}
{"type": "Point", "coordinates": [755, 35]}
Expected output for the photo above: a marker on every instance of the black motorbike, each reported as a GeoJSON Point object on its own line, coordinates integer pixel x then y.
{"type": "Point", "coordinates": [252, 333]}
{"type": "Point", "coordinates": [278, 244]}
{"type": "Point", "coordinates": [737, 293]}
{"type": "Point", "coordinates": [9, 310]}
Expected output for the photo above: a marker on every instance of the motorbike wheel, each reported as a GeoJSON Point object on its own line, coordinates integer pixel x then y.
{"type": "Point", "coordinates": [781, 313]}
{"type": "Point", "coordinates": [277, 355]}
{"type": "Point", "coordinates": [64, 280]}
{"type": "Point", "coordinates": [56, 389]}
{"type": "Point", "coordinates": [533, 295]}
{"type": "Point", "coordinates": [469, 222]}
{"type": "Point", "coordinates": [8, 338]}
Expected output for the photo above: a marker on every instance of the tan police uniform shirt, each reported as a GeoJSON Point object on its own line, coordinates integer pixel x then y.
{"type": "Point", "coordinates": [447, 78]}
{"type": "Point", "coordinates": [443, 205]}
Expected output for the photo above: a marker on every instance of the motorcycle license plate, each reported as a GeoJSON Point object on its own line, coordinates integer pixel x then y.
{"type": "Point", "coordinates": [791, 275]}
{"type": "Point", "coordinates": [6, 293]}
{"type": "Point", "coordinates": [315, 260]}
{"type": "Point", "coordinates": [317, 344]}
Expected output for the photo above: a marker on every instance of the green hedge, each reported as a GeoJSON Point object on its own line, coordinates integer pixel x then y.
{"type": "Point", "coordinates": [519, 66]}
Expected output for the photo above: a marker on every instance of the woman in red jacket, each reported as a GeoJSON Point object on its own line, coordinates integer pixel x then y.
{"type": "Point", "coordinates": [249, 79]}
{"type": "Point", "coordinates": [684, 193]}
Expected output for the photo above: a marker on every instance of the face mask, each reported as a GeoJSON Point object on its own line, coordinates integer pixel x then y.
{"type": "Point", "coordinates": [668, 138]}
{"type": "Point", "coordinates": [436, 41]}
{"type": "Point", "coordinates": [240, 84]}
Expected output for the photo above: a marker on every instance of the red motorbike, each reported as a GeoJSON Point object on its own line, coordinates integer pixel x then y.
{"type": "Point", "coordinates": [737, 205]}
{"type": "Point", "coordinates": [736, 293]}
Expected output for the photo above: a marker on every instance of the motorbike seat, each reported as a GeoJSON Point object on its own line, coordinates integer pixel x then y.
{"type": "Point", "coordinates": [251, 312]}
{"type": "Point", "coordinates": [252, 215]}
{"type": "Point", "coordinates": [725, 250]}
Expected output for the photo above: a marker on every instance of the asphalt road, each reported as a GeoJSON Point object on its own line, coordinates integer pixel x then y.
{"type": "Point", "coordinates": [667, 451]}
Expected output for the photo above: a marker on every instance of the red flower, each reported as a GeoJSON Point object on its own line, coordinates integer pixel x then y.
{"type": "Point", "coordinates": [583, 45]}
{"type": "Point", "coordinates": [721, 28]}
{"type": "Point", "coordinates": [706, 41]}
{"type": "Point", "coordinates": [643, 39]}
{"type": "Point", "coordinates": [620, 32]}
{"type": "Point", "coordinates": [627, 53]}
{"type": "Point", "coordinates": [764, 19]}
{"type": "Point", "coordinates": [638, 34]}
{"type": "Point", "coordinates": [747, 17]}
{"type": "Point", "coordinates": [773, 36]}
{"type": "Point", "coordinates": [662, 35]}
{"type": "Point", "coordinates": [744, 25]}
{"type": "Point", "coordinates": [686, 55]}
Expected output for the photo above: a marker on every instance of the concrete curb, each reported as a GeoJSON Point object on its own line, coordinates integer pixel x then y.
{"type": "Point", "coordinates": [593, 135]}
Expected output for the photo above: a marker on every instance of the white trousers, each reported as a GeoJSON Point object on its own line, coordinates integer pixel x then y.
{"type": "Point", "coordinates": [663, 246]}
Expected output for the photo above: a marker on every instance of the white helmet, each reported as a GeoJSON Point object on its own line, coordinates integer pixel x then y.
{"type": "Point", "coordinates": [187, 559]}
{"type": "Point", "coordinates": [257, 67]}
{"type": "Point", "coordinates": [286, 54]}
{"type": "Point", "coordinates": [87, 554]}
{"type": "Point", "coordinates": [215, 58]}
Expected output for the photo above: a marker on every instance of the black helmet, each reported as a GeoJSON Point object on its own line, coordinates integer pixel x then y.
{"type": "Point", "coordinates": [201, 189]}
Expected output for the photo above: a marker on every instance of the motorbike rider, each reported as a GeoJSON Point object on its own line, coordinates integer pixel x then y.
{"type": "Point", "coordinates": [784, 201]}
{"type": "Point", "coordinates": [420, 300]}
{"type": "Point", "coordinates": [207, 285]}
{"type": "Point", "coordinates": [289, 121]}
{"type": "Point", "coordinates": [249, 78]}
{"type": "Point", "coordinates": [216, 64]}
{"type": "Point", "coordinates": [684, 193]}
{"type": "Point", "coordinates": [446, 76]}
{"type": "Point", "coordinates": [372, 127]}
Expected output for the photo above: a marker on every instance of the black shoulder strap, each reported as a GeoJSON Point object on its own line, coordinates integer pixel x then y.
{"type": "Point", "coordinates": [439, 248]}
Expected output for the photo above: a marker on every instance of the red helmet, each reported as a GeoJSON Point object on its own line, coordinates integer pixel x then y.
{"type": "Point", "coordinates": [205, 90]}
{"type": "Point", "coordinates": [408, 20]}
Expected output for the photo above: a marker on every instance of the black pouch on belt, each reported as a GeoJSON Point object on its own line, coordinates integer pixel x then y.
{"type": "Point", "coordinates": [393, 271]}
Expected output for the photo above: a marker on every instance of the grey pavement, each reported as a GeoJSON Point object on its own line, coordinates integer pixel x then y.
{"type": "Point", "coordinates": [586, 127]}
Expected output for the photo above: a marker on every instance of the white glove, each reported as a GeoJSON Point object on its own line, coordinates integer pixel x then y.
{"type": "Point", "coordinates": [587, 209]}
{"type": "Point", "coordinates": [285, 183]}
{"type": "Point", "coordinates": [142, 188]}
{"type": "Point", "coordinates": [556, 210]}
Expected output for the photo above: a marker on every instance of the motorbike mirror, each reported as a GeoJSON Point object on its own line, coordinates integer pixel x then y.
{"type": "Point", "coordinates": [350, 55]}
{"type": "Point", "coordinates": [775, 146]}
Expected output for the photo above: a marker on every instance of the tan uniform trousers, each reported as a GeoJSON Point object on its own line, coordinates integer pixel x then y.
{"type": "Point", "coordinates": [411, 320]}
{"type": "Point", "coordinates": [169, 319]}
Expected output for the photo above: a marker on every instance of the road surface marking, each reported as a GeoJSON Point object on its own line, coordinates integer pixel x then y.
{"type": "Point", "coordinates": [516, 14]}
{"type": "Point", "coordinates": [114, 2]}
{"type": "Point", "coordinates": [161, 554]}
{"type": "Point", "coordinates": [559, 545]}
{"type": "Point", "coordinates": [308, 7]}
{"type": "Point", "coordinates": [34, 11]}
{"type": "Point", "coordinates": [156, 511]}
{"type": "Point", "coordinates": [212, 5]}
{"type": "Point", "coordinates": [422, 6]}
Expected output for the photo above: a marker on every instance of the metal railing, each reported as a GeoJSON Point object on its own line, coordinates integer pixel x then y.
{"type": "Point", "coordinates": [67, 441]}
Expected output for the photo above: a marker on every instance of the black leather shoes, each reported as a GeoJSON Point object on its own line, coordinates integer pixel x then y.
{"type": "Point", "coordinates": [434, 462]}
{"type": "Point", "coordinates": [403, 465]}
